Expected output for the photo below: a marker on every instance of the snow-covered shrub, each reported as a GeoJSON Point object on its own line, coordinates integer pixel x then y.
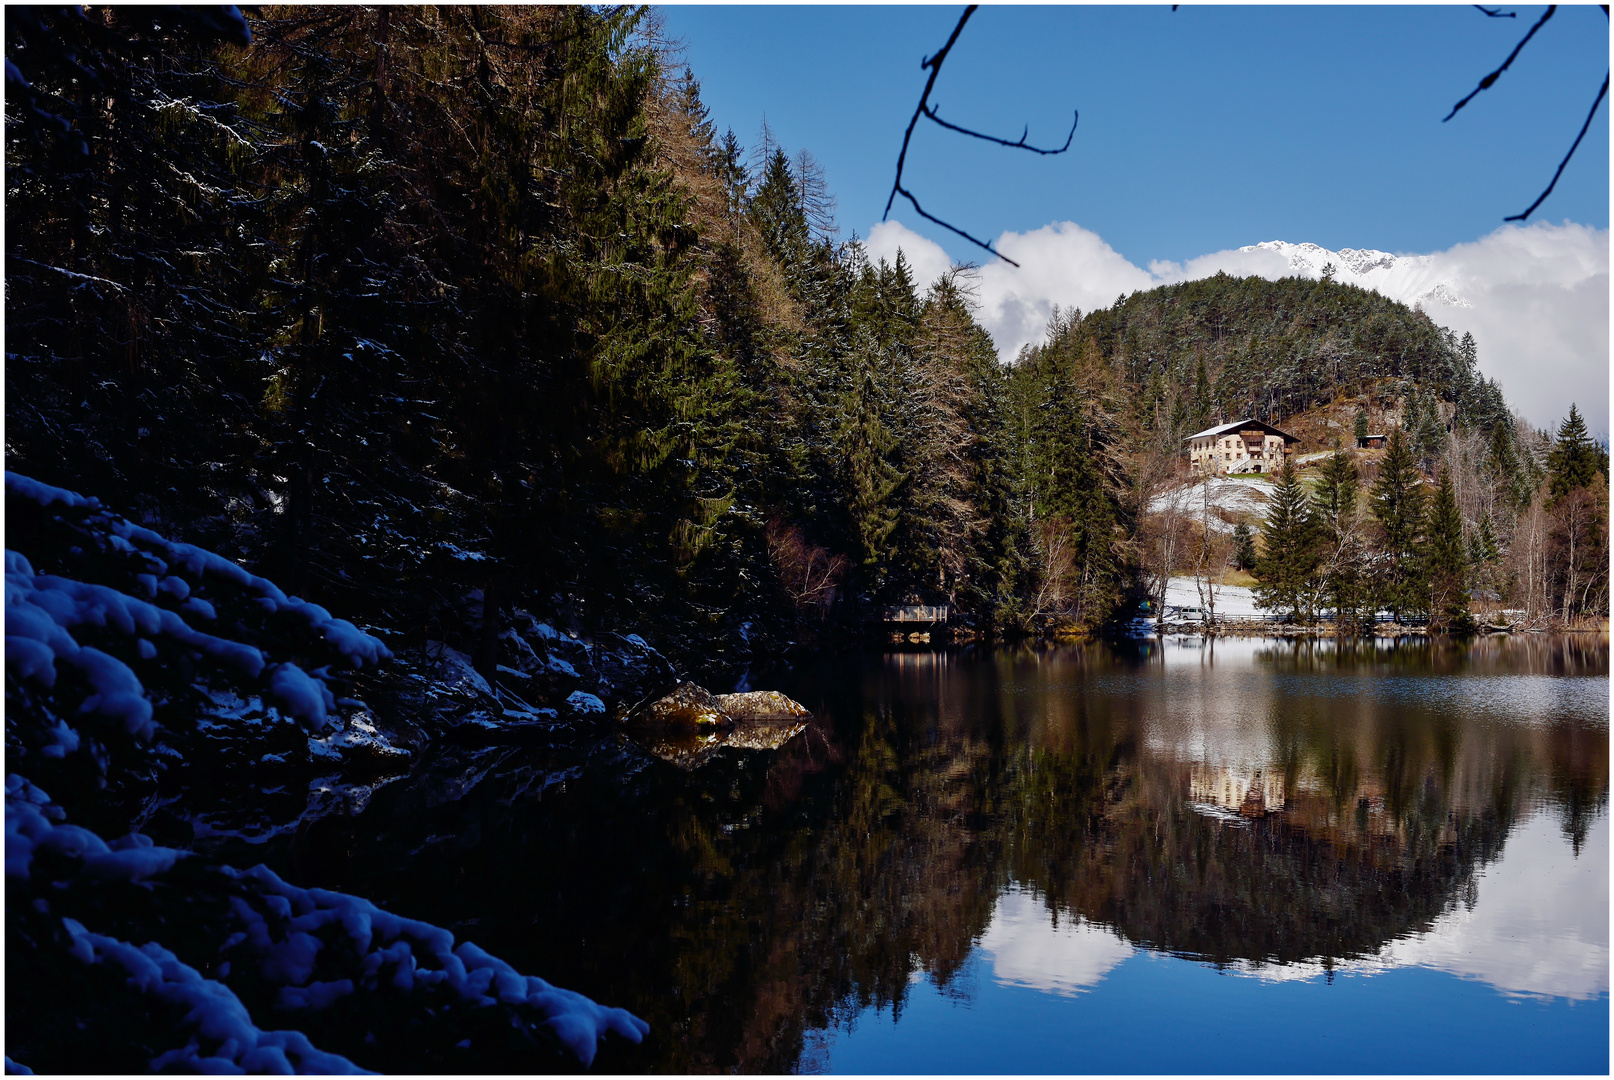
{"type": "Point", "coordinates": [241, 946]}
{"type": "Point", "coordinates": [126, 652]}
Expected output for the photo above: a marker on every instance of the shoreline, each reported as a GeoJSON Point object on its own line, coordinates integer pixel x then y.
{"type": "Point", "coordinates": [1382, 630]}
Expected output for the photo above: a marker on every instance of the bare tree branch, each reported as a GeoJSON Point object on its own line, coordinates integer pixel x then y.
{"type": "Point", "coordinates": [1493, 13]}
{"type": "Point", "coordinates": [930, 111]}
{"type": "Point", "coordinates": [906, 194]}
{"type": "Point", "coordinates": [1583, 129]}
{"type": "Point", "coordinates": [1485, 83]}
{"type": "Point", "coordinates": [934, 63]}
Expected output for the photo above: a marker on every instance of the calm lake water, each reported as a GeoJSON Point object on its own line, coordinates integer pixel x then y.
{"type": "Point", "coordinates": [1244, 856]}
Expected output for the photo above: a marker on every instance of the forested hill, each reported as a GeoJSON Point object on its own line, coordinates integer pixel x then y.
{"type": "Point", "coordinates": [1223, 348]}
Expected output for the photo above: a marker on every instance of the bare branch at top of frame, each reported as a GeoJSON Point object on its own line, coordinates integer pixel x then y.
{"type": "Point", "coordinates": [1485, 83]}
{"type": "Point", "coordinates": [934, 63]}
{"type": "Point", "coordinates": [930, 111]}
{"type": "Point", "coordinates": [1583, 128]}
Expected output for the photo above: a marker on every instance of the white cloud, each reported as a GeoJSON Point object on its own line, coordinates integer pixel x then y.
{"type": "Point", "coordinates": [1537, 297]}
{"type": "Point", "coordinates": [1540, 925]}
{"type": "Point", "coordinates": [925, 257]}
{"type": "Point", "coordinates": [1027, 949]}
{"type": "Point", "coordinates": [1539, 314]}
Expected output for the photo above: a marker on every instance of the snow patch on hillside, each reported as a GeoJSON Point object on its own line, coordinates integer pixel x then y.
{"type": "Point", "coordinates": [1232, 601]}
{"type": "Point", "coordinates": [1215, 501]}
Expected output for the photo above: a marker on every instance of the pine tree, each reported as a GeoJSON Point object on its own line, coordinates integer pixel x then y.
{"type": "Point", "coordinates": [1398, 507]}
{"type": "Point", "coordinates": [1343, 555]}
{"type": "Point", "coordinates": [1575, 460]}
{"type": "Point", "coordinates": [1446, 563]}
{"type": "Point", "coordinates": [1243, 546]}
{"type": "Point", "coordinates": [1289, 557]}
{"type": "Point", "coordinates": [1360, 429]}
{"type": "Point", "coordinates": [1202, 395]}
{"type": "Point", "coordinates": [1411, 420]}
{"type": "Point", "coordinates": [1431, 435]}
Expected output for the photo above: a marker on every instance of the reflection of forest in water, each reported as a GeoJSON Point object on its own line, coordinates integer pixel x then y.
{"type": "Point", "coordinates": [1266, 804]}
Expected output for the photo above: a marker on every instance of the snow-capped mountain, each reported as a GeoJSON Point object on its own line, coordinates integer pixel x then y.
{"type": "Point", "coordinates": [1412, 279]}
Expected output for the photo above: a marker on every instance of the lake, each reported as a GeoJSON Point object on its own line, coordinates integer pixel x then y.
{"type": "Point", "coordinates": [1169, 856]}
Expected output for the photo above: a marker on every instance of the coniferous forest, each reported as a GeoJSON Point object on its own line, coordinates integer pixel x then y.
{"type": "Point", "coordinates": [455, 326]}
{"type": "Point", "coordinates": [400, 307]}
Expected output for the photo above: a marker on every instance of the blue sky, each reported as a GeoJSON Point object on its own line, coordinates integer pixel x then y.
{"type": "Point", "coordinates": [1201, 129]}
{"type": "Point", "coordinates": [1204, 130]}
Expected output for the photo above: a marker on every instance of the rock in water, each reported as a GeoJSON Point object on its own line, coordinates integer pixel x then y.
{"type": "Point", "coordinates": [763, 734]}
{"type": "Point", "coordinates": [761, 705]}
{"type": "Point", "coordinates": [689, 750]}
{"type": "Point", "coordinates": [688, 705]}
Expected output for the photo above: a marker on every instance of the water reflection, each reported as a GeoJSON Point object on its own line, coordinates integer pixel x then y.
{"type": "Point", "coordinates": [1027, 947]}
{"type": "Point", "coordinates": [1275, 809]}
{"type": "Point", "coordinates": [1536, 925]}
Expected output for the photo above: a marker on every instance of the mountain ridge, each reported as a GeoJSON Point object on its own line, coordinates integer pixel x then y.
{"type": "Point", "coordinates": [1415, 280]}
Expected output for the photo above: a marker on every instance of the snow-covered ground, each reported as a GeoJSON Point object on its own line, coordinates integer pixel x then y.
{"type": "Point", "coordinates": [1232, 601]}
{"type": "Point", "coordinates": [1232, 496]}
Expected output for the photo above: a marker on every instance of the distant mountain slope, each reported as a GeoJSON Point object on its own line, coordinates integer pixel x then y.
{"type": "Point", "coordinates": [1414, 280]}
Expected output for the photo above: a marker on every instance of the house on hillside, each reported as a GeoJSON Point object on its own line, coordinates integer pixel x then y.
{"type": "Point", "coordinates": [1242, 446]}
{"type": "Point", "coordinates": [1372, 442]}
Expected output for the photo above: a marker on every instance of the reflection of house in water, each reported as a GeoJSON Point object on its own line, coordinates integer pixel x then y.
{"type": "Point", "coordinates": [1245, 792]}
{"type": "Point", "coordinates": [1253, 792]}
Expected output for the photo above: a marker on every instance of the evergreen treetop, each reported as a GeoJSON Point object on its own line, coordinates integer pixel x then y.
{"type": "Point", "coordinates": [1575, 460]}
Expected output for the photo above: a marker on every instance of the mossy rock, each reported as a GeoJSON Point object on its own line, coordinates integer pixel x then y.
{"type": "Point", "coordinates": [686, 705]}
{"type": "Point", "coordinates": [761, 705]}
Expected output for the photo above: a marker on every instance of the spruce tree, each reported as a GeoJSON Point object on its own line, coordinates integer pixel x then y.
{"type": "Point", "coordinates": [1398, 507]}
{"type": "Point", "coordinates": [1243, 546]}
{"type": "Point", "coordinates": [1360, 428]}
{"type": "Point", "coordinates": [1447, 565]}
{"type": "Point", "coordinates": [1484, 558]}
{"type": "Point", "coordinates": [1575, 460]}
{"type": "Point", "coordinates": [1289, 560]}
{"type": "Point", "coordinates": [1343, 555]}
{"type": "Point", "coordinates": [1431, 436]}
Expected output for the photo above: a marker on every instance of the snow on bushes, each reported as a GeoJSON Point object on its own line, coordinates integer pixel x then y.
{"type": "Point", "coordinates": [123, 645]}
{"type": "Point", "coordinates": [290, 951]}
{"type": "Point", "coordinates": [127, 654]}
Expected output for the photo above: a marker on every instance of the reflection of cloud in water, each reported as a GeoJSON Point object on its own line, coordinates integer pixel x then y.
{"type": "Point", "coordinates": [1538, 927]}
{"type": "Point", "coordinates": [1028, 950]}
{"type": "Point", "coordinates": [1541, 923]}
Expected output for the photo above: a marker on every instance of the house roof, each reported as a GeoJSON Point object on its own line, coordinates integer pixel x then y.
{"type": "Point", "coordinates": [1242, 425]}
